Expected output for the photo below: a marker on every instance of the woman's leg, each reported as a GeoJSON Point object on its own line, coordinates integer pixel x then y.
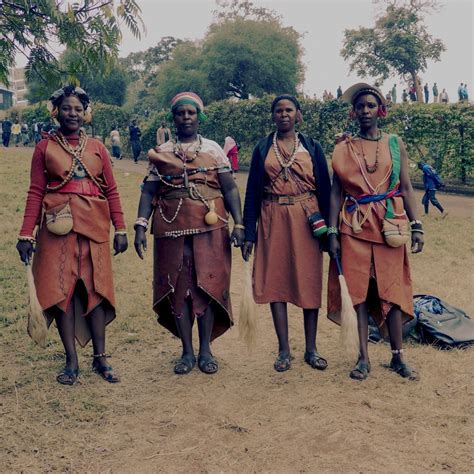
{"type": "Point", "coordinates": [280, 321]}
{"type": "Point", "coordinates": [66, 328]}
{"type": "Point", "coordinates": [206, 361]}
{"type": "Point", "coordinates": [310, 328]}
{"type": "Point", "coordinates": [184, 323]}
{"type": "Point", "coordinates": [96, 322]}
{"type": "Point", "coordinates": [311, 356]}
{"type": "Point", "coordinates": [362, 367]}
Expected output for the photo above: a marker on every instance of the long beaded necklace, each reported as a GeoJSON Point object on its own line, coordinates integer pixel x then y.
{"type": "Point", "coordinates": [284, 158]}
{"type": "Point", "coordinates": [371, 168]}
{"type": "Point", "coordinates": [76, 153]}
{"type": "Point", "coordinates": [183, 155]}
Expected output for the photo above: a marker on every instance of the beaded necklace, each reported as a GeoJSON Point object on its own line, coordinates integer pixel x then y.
{"type": "Point", "coordinates": [76, 153]}
{"type": "Point", "coordinates": [284, 158]}
{"type": "Point", "coordinates": [182, 155]}
{"type": "Point", "coordinates": [370, 168]}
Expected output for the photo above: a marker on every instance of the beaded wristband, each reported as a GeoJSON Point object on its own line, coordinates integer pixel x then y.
{"type": "Point", "coordinates": [415, 222]}
{"type": "Point", "coordinates": [239, 226]}
{"type": "Point", "coordinates": [26, 238]}
{"type": "Point", "coordinates": [120, 232]}
{"type": "Point", "coordinates": [332, 229]}
{"type": "Point", "coordinates": [142, 222]}
{"type": "Point", "coordinates": [420, 231]}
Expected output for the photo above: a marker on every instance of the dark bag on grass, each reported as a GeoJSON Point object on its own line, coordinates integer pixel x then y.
{"type": "Point", "coordinates": [442, 324]}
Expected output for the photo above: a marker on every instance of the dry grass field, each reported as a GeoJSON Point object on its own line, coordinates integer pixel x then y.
{"type": "Point", "coordinates": [247, 417]}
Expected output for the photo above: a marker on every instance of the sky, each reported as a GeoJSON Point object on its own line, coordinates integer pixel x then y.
{"type": "Point", "coordinates": [322, 22]}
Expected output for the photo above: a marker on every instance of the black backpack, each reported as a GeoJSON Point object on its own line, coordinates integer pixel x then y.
{"type": "Point", "coordinates": [441, 324]}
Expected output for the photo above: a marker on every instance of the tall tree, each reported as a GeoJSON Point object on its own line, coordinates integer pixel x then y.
{"type": "Point", "coordinates": [89, 27]}
{"type": "Point", "coordinates": [247, 51]}
{"type": "Point", "coordinates": [398, 44]}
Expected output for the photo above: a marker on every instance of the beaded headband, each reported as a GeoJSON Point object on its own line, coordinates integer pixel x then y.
{"type": "Point", "coordinates": [189, 98]}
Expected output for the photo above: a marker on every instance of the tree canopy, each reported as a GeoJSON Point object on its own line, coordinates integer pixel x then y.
{"type": "Point", "coordinates": [398, 44]}
{"type": "Point", "coordinates": [37, 29]}
{"type": "Point", "coordinates": [246, 52]}
{"type": "Point", "coordinates": [107, 85]}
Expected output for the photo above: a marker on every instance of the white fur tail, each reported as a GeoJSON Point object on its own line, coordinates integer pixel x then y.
{"type": "Point", "coordinates": [248, 311]}
{"type": "Point", "coordinates": [349, 333]}
{"type": "Point", "coordinates": [37, 327]}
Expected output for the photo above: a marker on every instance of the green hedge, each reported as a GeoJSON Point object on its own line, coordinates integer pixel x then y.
{"type": "Point", "coordinates": [440, 134]}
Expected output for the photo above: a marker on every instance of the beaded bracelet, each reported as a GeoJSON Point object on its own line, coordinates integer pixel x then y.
{"type": "Point", "coordinates": [120, 232]}
{"type": "Point", "coordinates": [415, 222]}
{"type": "Point", "coordinates": [420, 231]}
{"type": "Point", "coordinates": [142, 222]}
{"type": "Point", "coordinates": [26, 238]}
{"type": "Point", "coordinates": [239, 226]}
{"type": "Point", "coordinates": [332, 229]}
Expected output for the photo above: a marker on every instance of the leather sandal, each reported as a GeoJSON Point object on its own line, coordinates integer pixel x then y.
{"type": "Point", "coordinates": [208, 364]}
{"type": "Point", "coordinates": [403, 370]}
{"type": "Point", "coordinates": [314, 360]}
{"type": "Point", "coordinates": [185, 365]}
{"type": "Point", "coordinates": [361, 371]}
{"type": "Point", "coordinates": [67, 376]}
{"type": "Point", "coordinates": [282, 363]}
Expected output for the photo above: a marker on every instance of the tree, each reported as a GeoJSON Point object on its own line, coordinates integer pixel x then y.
{"type": "Point", "coordinates": [398, 44]}
{"type": "Point", "coordinates": [246, 52]}
{"type": "Point", "coordinates": [103, 84]}
{"type": "Point", "coordinates": [91, 28]}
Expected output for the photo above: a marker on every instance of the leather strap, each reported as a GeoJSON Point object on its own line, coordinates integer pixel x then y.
{"type": "Point", "coordinates": [286, 199]}
{"type": "Point", "coordinates": [84, 186]}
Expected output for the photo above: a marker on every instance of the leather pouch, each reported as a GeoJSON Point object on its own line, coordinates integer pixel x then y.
{"type": "Point", "coordinates": [395, 232]}
{"type": "Point", "coordinates": [59, 219]}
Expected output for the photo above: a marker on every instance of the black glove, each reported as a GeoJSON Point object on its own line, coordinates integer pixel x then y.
{"type": "Point", "coordinates": [25, 249]}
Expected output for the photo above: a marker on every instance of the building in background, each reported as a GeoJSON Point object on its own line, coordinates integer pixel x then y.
{"type": "Point", "coordinates": [18, 86]}
{"type": "Point", "coordinates": [6, 98]}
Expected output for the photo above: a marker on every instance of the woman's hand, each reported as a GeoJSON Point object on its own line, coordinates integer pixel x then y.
{"type": "Point", "coordinates": [417, 242]}
{"type": "Point", "coordinates": [334, 247]}
{"type": "Point", "coordinates": [237, 237]}
{"type": "Point", "coordinates": [25, 249]}
{"type": "Point", "coordinates": [247, 250]}
{"type": "Point", "coordinates": [140, 241]}
{"type": "Point", "coordinates": [120, 243]}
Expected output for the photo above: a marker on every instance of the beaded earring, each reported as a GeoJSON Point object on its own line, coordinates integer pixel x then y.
{"type": "Point", "coordinates": [382, 111]}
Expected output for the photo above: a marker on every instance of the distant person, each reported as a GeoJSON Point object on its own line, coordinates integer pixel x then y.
{"type": "Point", "coordinates": [6, 132]}
{"type": "Point", "coordinates": [325, 96]}
{"type": "Point", "coordinates": [435, 93]}
{"type": "Point", "coordinates": [431, 183]}
{"type": "Point", "coordinates": [135, 134]}
{"type": "Point", "coordinates": [146, 113]}
{"type": "Point", "coordinates": [163, 134]}
{"type": "Point", "coordinates": [36, 132]}
{"type": "Point", "coordinates": [464, 94]}
{"type": "Point", "coordinates": [16, 132]}
{"type": "Point", "coordinates": [443, 97]}
{"type": "Point", "coordinates": [25, 137]}
{"type": "Point", "coordinates": [231, 150]}
{"type": "Point", "coordinates": [330, 96]}
{"type": "Point", "coordinates": [404, 96]}
{"type": "Point", "coordinates": [426, 92]}
{"type": "Point", "coordinates": [460, 89]}
{"type": "Point", "coordinates": [412, 93]}
{"type": "Point", "coordinates": [394, 94]}
{"type": "Point", "coordinates": [339, 92]}
{"type": "Point", "coordinates": [115, 142]}
{"type": "Point", "coordinates": [388, 99]}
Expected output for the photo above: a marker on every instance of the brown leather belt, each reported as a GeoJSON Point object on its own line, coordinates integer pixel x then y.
{"type": "Point", "coordinates": [286, 199]}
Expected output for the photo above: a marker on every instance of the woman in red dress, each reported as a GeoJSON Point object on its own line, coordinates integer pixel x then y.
{"type": "Point", "coordinates": [72, 184]}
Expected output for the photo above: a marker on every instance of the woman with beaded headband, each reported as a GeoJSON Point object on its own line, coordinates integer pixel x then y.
{"type": "Point", "coordinates": [288, 196]}
{"type": "Point", "coordinates": [371, 188]}
{"type": "Point", "coordinates": [71, 177]}
{"type": "Point", "coordinates": [188, 192]}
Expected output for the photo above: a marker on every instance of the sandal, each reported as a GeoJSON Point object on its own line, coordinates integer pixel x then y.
{"type": "Point", "coordinates": [403, 370]}
{"type": "Point", "coordinates": [361, 371]}
{"type": "Point", "coordinates": [185, 365]}
{"type": "Point", "coordinates": [208, 364]}
{"type": "Point", "coordinates": [67, 376]}
{"type": "Point", "coordinates": [314, 360]}
{"type": "Point", "coordinates": [105, 371]}
{"type": "Point", "coordinates": [282, 363]}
